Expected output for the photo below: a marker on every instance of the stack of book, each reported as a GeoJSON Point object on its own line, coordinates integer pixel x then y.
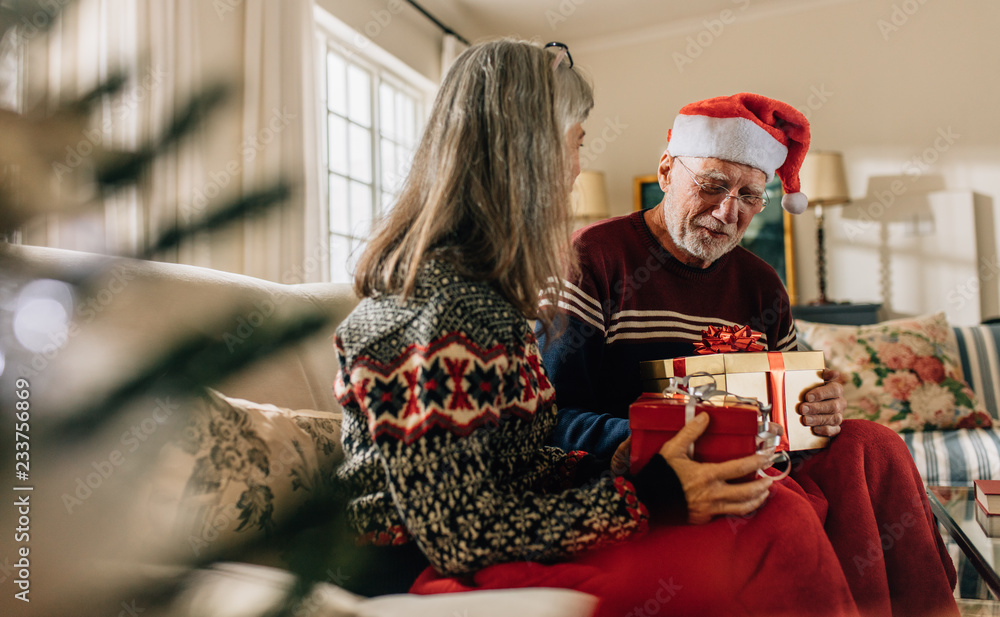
{"type": "Point", "coordinates": [988, 506]}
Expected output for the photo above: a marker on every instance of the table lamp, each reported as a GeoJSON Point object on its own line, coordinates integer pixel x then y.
{"type": "Point", "coordinates": [590, 197]}
{"type": "Point", "coordinates": [824, 183]}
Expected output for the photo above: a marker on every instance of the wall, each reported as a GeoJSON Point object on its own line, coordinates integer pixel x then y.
{"type": "Point", "coordinates": [901, 87]}
{"type": "Point", "coordinates": [396, 27]}
{"type": "Point", "coordinates": [928, 251]}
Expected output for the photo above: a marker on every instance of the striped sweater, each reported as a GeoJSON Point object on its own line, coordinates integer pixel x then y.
{"type": "Point", "coordinates": [447, 409]}
{"type": "Point", "coordinates": [633, 302]}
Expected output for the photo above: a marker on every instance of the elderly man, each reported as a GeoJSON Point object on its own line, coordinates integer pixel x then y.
{"type": "Point", "coordinates": [651, 282]}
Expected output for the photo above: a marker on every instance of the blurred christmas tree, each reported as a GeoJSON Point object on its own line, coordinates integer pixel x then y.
{"type": "Point", "coordinates": [33, 145]}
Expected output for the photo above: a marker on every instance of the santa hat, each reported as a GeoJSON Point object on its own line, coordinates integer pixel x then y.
{"type": "Point", "coordinates": [750, 129]}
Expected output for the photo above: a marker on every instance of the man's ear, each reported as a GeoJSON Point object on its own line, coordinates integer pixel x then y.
{"type": "Point", "coordinates": [661, 171]}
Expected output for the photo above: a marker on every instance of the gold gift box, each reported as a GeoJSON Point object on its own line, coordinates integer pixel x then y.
{"type": "Point", "coordinates": [750, 375]}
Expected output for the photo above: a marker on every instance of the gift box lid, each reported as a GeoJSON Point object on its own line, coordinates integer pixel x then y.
{"type": "Point", "coordinates": [652, 412]}
{"type": "Point", "coordinates": [713, 364]}
{"type": "Point", "coordinates": [743, 362]}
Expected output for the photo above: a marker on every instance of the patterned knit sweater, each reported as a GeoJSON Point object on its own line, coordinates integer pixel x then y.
{"type": "Point", "coordinates": [447, 410]}
{"type": "Point", "coordinates": [634, 302]}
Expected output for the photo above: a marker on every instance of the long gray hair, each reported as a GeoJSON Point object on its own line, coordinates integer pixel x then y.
{"type": "Point", "coordinates": [489, 189]}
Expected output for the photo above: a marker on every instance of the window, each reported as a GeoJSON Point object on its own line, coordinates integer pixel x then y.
{"type": "Point", "coordinates": [374, 116]}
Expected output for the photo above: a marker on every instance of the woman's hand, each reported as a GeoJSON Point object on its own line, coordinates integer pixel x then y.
{"type": "Point", "coordinates": [620, 460]}
{"type": "Point", "coordinates": [705, 484]}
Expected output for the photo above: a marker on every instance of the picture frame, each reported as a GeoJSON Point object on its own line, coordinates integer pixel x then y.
{"type": "Point", "coordinates": [769, 236]}
{"type": "Point", "coordinates": [646, 192]}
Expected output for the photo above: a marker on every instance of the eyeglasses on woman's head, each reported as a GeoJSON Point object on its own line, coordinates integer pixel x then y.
{"type": "Point", "coordinates": [561, 51]}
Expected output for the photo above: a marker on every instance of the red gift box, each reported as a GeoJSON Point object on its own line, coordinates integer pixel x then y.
{"type": "Point", "coordinates": [655, 418]}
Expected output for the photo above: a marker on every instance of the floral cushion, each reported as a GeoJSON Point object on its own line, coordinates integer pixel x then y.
{"type": "Point", "coordinates": [905, 374]}
{"type": "Point", "coordinates": [235, 470]}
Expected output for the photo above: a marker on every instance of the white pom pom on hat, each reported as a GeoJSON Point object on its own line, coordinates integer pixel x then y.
{"type": "Point", "coordinates": [750, 129]}
{"type": "Point", "coordinates": [795, 203]}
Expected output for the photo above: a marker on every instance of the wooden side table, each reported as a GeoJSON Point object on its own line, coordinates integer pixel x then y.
{"type": "Point", "coordinates": [845, 314]}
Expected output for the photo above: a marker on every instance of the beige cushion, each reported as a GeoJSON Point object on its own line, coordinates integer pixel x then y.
{"type": "Point", "coordinates": [905, 374]}
{"type": "Point", "coordinates": [234, 471]}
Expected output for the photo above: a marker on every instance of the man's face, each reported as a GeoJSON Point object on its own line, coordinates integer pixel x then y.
{"type": "Point", "coordinates": [701, 232]}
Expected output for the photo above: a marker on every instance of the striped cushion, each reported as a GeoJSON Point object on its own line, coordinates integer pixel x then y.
{"type": "Point", "coordinates": [955, 458]}
{"type": "Point", "coordinates": [977, 348]}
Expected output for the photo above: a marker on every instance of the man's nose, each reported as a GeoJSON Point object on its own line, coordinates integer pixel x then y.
{"type": "Point", "coordinates": [728, 211]}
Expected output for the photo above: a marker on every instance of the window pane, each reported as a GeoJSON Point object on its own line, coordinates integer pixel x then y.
{"type": "Point", "coordinates": [388, 201]}
{"type": "Point", "coordinates": [336, 83]}
{"type": "Point", "coordinates": [357, 247]}
{"type": "Point", "coordinates": [340, 248]}
{"type": "Point", "coordinates": [407, 120]}
{"type": "Point", "coordinates": [360, 153]}
{"type": "Point", "coordinates": [359, 95]}
{"type": "Point", "coordinates": [389, 176]}
{"type": "Point", "coordinates": [400, 115]}
{"type": "Point", "coordinates": [404, 159]}
{"type": "Point", "coordinates": [339, 221]}
{"type": "Point", "coordinates": [338, 144]}
{"type": "Point", "coordinates": [387, 113]}
{"type": "Point", "coordinates": [361, 209]}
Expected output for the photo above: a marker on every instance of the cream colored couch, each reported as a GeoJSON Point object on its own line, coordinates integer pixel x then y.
{"type": "Point", "coordinates": [136, 306]}
{"type": "Point", "coordinates": [114, 509]}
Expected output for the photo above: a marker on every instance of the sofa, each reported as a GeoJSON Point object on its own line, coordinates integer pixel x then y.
{"type": "Point", "coordinates": [167, 506]}
{"type": "Point", "coordinates": [173, 494]}
{"type": "Point", "coordinates": [959, 457]}
{"type": "Point", "coordinates": [955, 449]}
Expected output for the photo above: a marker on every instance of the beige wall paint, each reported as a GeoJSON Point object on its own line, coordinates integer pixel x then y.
{"type": "Point", "coordinates": [881, 80]}
{"type": "Point", "coordinates": [395, 27]}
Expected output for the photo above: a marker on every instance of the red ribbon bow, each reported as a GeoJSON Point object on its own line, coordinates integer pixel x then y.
{"type": "Point", "coordinates": [728, 339]}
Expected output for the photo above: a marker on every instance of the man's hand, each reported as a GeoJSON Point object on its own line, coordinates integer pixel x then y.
{"type": "Point", "coordinates": [823, 406]}
{"type": "Point", "coordinates": [620, 460]}
{"type": "Point", "coordinates": [704, 484]}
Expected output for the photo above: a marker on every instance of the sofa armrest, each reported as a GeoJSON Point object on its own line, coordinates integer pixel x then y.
{"type": "Point", "coordinates": [231, 589]}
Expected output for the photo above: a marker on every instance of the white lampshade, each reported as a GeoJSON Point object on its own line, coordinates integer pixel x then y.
{"type": "Point", "coordinates": [823, 180]}
{"type": "Point", "coordinates": [590, 195]}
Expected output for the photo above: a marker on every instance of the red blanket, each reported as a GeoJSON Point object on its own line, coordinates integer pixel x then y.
{"type": "Point", "coordinates": [871, 548]}
{"type": "Point", "coordinates": [880, 523]}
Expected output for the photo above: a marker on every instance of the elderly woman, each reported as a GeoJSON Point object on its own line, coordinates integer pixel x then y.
{"type": "Point", "coordinates": [447, 406]}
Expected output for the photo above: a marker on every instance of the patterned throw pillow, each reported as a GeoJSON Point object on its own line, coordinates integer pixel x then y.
{"type": "Point", "coordinates": [905, 373]}
{"type": "Point", "coordinates": [235, 470]}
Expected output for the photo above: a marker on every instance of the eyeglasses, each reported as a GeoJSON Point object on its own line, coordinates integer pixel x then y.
{"type": "Point", "coordinates": [559, 56]}
{"type": "Point", "coordinates": [716, 194]}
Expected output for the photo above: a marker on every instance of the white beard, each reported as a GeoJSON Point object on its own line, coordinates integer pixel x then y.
{"type": "Point", "coordinates": [690, 236]}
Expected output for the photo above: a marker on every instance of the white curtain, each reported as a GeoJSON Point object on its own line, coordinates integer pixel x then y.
{"type": "Point", "coordinates": [281, 134]}
{"type": "Point", "coordinates": [90, 40]}
{"type": "Point", "coordinates": [9, 80]}
{"type": "Point", "coordinates": [269, 128]}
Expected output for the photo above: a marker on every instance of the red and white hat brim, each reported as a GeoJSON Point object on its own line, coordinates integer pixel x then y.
{"type": "Point", "coordinates": [731, 139]}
